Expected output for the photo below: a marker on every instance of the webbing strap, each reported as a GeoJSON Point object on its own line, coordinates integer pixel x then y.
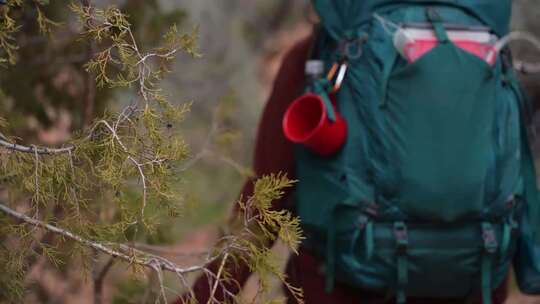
{"type": "Point", "coordinates": [486, 279]}
{"type": "Point", "coordinates": [509, 229]}
{"type": "Point", "coordinates": [436, 20]}
{"type": "Point", "coordinates": [402, 244]}
{"type": "Point", "coordinates": [506, 237]}
{"type": "Point", "coordinates": [490, 248]}
{"type": "Point", "coordinates": [365, 227]}
{"type": "Point", "coordinates": [321, 87]}
{"type": "Point", "coordinates": [402, 264]}
{"type": "Point", "coordinates": [369, 241]}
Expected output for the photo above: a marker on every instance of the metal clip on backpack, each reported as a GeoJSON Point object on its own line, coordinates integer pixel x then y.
{"type": "Point", "coordinates": [426, 196]}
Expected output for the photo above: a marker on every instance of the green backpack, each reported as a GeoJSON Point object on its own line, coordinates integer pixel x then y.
{"type": "Point", "coordinates": [433, 195]}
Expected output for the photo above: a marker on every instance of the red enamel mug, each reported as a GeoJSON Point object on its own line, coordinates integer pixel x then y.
{"type": "Point", "coordinates": [306, 122]}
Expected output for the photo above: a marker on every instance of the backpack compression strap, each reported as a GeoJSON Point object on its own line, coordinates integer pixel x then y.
{"type": "Point", "coordinates": [490, 249]}
{"type": "Point", "coordinates": [402, 246]}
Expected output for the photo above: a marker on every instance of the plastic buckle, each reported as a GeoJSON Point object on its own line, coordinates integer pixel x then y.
{"type": "Point", "coordinates": [402, 237]}
{"type": "Point", "coordinates": [511, 202]}
{"type": "Point", "coordinates": [363, 220]}
{"type": "Point", "coordinates": [372, 209]}
{"type": "Point", "coordinates": [489, 237]}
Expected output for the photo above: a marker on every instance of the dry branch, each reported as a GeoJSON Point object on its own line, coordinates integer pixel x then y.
{"type": "Point", "coordinates": [34, 149]}
{"type": "Point", "coordinates": [140, 258]}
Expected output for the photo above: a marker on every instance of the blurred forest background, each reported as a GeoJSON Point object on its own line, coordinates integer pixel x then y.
{"type": "Point", "coordinates": [242, 43]}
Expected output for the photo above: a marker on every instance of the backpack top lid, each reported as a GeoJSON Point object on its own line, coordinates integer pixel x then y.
{"type": "Point", "coordinates": [342, 15]}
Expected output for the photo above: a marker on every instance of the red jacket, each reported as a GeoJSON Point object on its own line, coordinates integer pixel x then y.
{"type": "Point", "coordinates": [273, 153]}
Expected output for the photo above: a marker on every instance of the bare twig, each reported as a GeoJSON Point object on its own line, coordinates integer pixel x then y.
{"type": "Point", "coordinates": [143, 258]}
{"type": "Point", "coordinates": [218, 275]}
{"type": "Point", "coordinates": [164, 250]}
{"type": "Point", "coordinates": [143, 181]}
{"type": "Point", "coordinates": [34, 149]}
{"type": "Point", "coordinates": [159, 274]}
{"type": "Point", "coordinates": [99, 280]}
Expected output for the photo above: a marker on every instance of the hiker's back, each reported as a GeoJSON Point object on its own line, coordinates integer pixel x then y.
{"type": "Point", "coordinates": [425, 196]}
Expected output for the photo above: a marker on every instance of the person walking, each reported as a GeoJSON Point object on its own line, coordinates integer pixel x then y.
{"type": "Point", "coordinates": [431, 194]}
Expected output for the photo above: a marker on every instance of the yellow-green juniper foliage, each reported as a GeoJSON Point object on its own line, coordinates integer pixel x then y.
{"type": "Point", "coordinates": [115, 182]}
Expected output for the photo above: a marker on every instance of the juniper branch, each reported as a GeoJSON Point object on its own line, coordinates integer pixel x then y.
{"type": "Point", "coordinates": [137, 137]}
{"type": "Point", "coordinates": [34, 149]}
{"type": "Point", "coordinates": [147, 260]}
